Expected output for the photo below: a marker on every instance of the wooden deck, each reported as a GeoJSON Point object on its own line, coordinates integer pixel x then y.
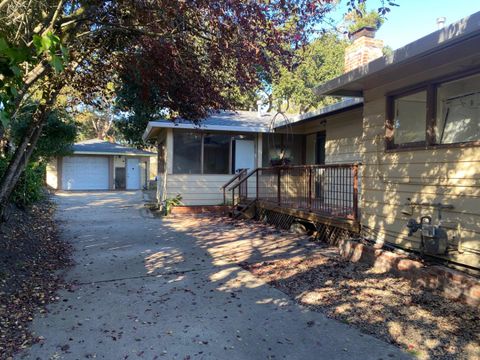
{"type": "Point", "coordinates": [325, 194]}
{"type": "Point", "coordinates": [312, 216]}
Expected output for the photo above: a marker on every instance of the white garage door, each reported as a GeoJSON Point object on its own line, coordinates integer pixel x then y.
{"type": "Point", "coordinates": [85, 173]}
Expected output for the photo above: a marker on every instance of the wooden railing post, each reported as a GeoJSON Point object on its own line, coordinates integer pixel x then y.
{"type": "Point", "coordinates": [278, 186]}
{"type": "Point", "coordinates": [246, 185]}
{"type": "Point", "coordinates": [256, 185]}
{"type": "Point", "coordinates": [355, 191]}
{"type": "Point", "coordinates": [310, 188]}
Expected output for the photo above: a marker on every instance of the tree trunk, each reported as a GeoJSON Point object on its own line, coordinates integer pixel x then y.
{"type": "Point", "coordinates": [24, 151]}
{"type": "Point", "coordinates": [162, 174]}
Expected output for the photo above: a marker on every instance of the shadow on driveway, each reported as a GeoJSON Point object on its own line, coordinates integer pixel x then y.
{"type": "Point", "coordinates": [154, 288]}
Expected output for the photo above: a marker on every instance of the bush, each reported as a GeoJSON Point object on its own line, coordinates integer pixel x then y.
{"type": "Point", "coordinates": [361, 18]}
{"type": "Point", "coordinates": [29, 188]}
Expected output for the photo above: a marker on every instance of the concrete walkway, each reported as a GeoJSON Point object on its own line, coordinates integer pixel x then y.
{"type": "Point", "coordinates": [149, 289]}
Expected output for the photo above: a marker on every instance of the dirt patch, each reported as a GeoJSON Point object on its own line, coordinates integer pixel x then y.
{"type": "Point", "coordinates": [31, 254]}
{"type": "Point", "coordinates": [423, 323]}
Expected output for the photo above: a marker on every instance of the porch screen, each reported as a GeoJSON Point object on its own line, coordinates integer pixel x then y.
{"type": "Point", "coordinates": [289, 146]}
{"type": "Point", "coordinates": [187, 153]}
{"type": "Point", "coordinates": [216, 154]}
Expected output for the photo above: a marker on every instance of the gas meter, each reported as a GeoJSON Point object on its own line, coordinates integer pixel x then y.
{"type": "Point", "coordinates": [434, 238]}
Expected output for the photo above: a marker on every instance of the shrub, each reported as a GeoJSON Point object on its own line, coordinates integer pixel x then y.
{"type": "Point", "coordinates": [170, 203]}
{"type": "Point", "coordinates": [29, 188]}
{"type": "Point", "coordinates": [360, 18]}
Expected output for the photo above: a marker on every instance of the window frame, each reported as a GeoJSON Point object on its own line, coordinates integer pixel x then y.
{"type": "Point", "coordinates": [431, 115]}
{"type": "Point", "coordinates": [232, 135]}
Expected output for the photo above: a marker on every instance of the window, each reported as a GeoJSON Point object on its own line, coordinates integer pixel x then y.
{"type": "Point", "coordinates": [439, 114]}
{"type": "Point", "coordinates": [410, 116]}
{"type": "Point", "coordinates": [203, 153]}
{"type": "Point", "coordinates": [216, 154]}
{"type": "Point", "coordinates": [458, 111]}
{"type": "Point", "coordinates": [187, 153]}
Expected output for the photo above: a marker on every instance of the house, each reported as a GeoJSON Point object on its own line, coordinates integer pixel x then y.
{"type": "Point", "coordinates": [200, 159]}
{"type": "Point", "coordinates": [402, 147]}
{"type": "Point", "coordinates": [419, 144]}
{"type": "Point", "coordinates": [100, 165]}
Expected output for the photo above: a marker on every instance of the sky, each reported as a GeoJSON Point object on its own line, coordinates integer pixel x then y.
{"type": "Point", "coordinates": [414, 19]}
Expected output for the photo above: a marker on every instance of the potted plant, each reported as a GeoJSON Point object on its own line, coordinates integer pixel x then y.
{"type": "Point", "coordinates": [362, 22]}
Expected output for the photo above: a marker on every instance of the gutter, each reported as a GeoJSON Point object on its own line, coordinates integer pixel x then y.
{"type": "Point", "coordinates": [110, 153]}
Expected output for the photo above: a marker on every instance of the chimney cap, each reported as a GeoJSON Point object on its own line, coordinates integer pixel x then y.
{"type": "Point", "coordinates": [441, 22]}
{"type": "Point", "coordinates": [367, 31]}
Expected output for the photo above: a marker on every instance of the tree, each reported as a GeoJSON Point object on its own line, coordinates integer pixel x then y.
{"type": "Point", "coordinates": [322, 60]}
{"type": "Point", "coordinates": [56, 139]}
{"type": "Point", "coordinates": [58, 135]}
{"type": "Point", "coordinates": [96, 114]}
{"type": "Point", "coordinates": [47, 44]}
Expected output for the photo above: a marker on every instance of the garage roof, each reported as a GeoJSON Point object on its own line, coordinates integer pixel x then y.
{"type": "Point", "coordinates": [101, 147]}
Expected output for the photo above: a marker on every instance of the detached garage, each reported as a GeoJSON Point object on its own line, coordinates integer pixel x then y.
{"type": "Point", "coordinates": [100, 165]}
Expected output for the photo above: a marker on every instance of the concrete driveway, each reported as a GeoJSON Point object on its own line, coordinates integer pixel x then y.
{"type": "Point", "coordinates": [148, 289]}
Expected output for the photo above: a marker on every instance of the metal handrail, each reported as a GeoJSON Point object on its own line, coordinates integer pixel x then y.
{"type": "Point", "coordinates": [224, 187]}
{"type": "Point", "coordinates": [234, 178]}
{"type": "Point", "coordinates": [307, 197]}
{"type": "Point", "coordinates": [244, 179]}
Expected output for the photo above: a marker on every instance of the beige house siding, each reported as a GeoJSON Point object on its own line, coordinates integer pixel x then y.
{"type": "Point", "coordinates": [344, 134]}
{"type": "Point", "coordinates": [197, 189]}
{"type": "Point", "coordinates": [152, 169]}
{"type": "Point", "coordinates": [447, 175]}
{"type": "Point", "coordinates": [52, 174]}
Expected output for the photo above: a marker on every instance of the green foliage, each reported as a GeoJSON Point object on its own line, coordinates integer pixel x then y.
{"type": "Point", "coordinates": [11, 76]}
{"type": "Point", "coordinates": [131, 127]}
{"type": "Point", "coordinates": [51, 47]}
{"type": "Point", "coordinates": [387, 51]}
{"type": "Point", "coordinates": [29, 188]}
{"type": "Point", "coordinates": [320, 61]}
{"type": "Point", "coordinates": [169, 203]}
{"type": "Point", "coordinates": [13, 59]}
{"type": "Point", "coordinates": [360, 18]}
{"type": "Point", "coordinates": [58, 134]}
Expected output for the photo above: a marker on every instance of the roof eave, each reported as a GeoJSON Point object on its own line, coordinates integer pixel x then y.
{"type": "Point", "coordinates": [147, 132]}
{"type": "Point", "coordinates": [170, 125]}
{"type": "Point", "coordinates": [111, 153]}
{"type": "Point", "coordinates": [328, 110]}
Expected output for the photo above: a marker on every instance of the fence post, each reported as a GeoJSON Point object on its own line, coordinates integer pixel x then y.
{"type": "Point", "coordinates": [355, 191]}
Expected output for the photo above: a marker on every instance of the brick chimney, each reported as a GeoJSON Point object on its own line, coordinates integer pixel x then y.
{"type": "Point", "coordinates": [363, 49]}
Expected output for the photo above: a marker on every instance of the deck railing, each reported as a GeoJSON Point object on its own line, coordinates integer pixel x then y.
{"type": "Point", "coordinates": [330, 190]}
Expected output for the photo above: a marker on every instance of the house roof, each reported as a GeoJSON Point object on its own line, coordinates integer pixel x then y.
{"type": "Point", "coordinates": [344, 105]}
{"type": "Point", "coordinates": [100, 147]}
{"type": "Point", "coordinates": [248, 121]}
{"type": "Point", "coordinates": [456, 44]}
{"type": "Point", "coordinates": [235, 121]}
